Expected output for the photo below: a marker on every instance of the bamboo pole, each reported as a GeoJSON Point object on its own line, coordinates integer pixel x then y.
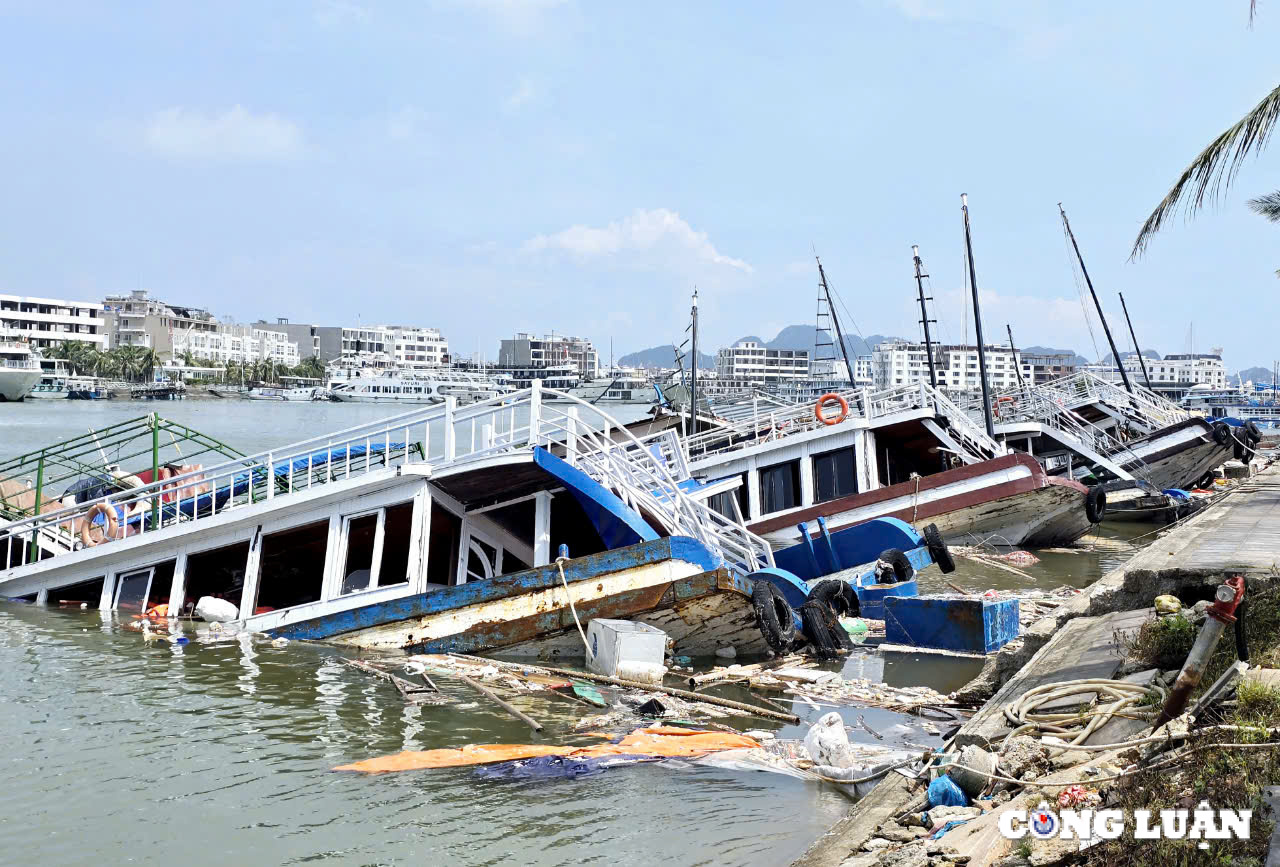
{"type": "Point", "coordinates": [489, 694]}
{"type": "Point", "coordinates": [679, 693]}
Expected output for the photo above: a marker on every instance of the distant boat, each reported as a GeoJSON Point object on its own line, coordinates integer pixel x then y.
{"type": "Point", "coordinates": [19, 370]}
{"type": "Point", "coordinates": [288, 394]}
{"type": "Point", "coordinates": [626, 388]}
{"type": "Point", "coordinates": [396, 386]}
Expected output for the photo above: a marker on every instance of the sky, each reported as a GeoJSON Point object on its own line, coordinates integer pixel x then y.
{"type": "Point", "coordinates": [492, 166]}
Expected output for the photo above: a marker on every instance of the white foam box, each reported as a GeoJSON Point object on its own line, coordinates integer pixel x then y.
{"type": "Point", "coordinates": [620, 648]}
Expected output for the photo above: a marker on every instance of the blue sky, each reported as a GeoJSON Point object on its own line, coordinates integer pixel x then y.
{"type": "Point", "coordinates": [486, 166]}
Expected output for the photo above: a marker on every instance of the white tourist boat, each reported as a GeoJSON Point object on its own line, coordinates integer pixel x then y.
{"type": "Point", "coordinates": [269, 392]}
{"type": "Point", "coordinates": [415, 386]}
{"type": "Point", "coordinates": [19, 369]}
{"type": "Point", "coordinates": [623, 388]}
{"type": "Point", "coordinates": [434, 530]}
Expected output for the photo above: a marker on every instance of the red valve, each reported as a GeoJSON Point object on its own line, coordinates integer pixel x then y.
{"type": "Point", "coordinates": [1225, 609]}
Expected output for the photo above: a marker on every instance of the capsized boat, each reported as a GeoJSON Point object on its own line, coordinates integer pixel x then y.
{"type": "Point", "coordinates": [428, 531]}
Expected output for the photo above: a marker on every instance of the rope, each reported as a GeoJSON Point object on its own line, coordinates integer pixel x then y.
{"type": "Point", "coordinates": [1022, 714]}
{"type": "Point", "coordinates": [574, 611]}
{"type": "Point", "coordinates": [915, 499]}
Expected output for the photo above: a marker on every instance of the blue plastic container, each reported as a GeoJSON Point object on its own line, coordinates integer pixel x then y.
{"type": "Point", "coordinates": [948, 623]}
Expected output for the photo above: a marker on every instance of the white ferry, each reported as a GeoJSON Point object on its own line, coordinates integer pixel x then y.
{"type": "Point", "coordinates": [1260, 407]}
{"type": "Point", "coordinates": [623, 388]}
{"type": "Point", "coordinates": [19, 369]}
{"type": "Point", "coordinates": [403, 386]}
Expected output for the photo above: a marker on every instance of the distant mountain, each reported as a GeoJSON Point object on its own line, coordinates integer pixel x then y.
{"type": "Point", "coordinates": [1044, 350]}
{"type": "Point", "coordinates": [662, 357]}
{"type": "Point", "coordinates": [802, 337]}
{"type": "Point", "coordinates": [1256, 374]}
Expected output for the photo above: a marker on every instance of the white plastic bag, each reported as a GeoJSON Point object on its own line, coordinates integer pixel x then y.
{"type": "Point", "coordinates": [828, 742]}
{"type": "Point", "coordinates": [212, 610]}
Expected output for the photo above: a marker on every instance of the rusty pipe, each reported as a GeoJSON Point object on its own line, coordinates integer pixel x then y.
{"type": "Point", "coordinates": [1226, 600]}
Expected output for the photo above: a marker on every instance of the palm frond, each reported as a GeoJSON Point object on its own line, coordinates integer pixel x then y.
{"type": "Point", "coordinates": [1212, 172]}
{"type": "Point", "coordinates": [1267, 206]}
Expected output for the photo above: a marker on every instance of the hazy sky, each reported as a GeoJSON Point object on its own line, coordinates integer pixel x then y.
{"type": "Point", "coordinates": [486, 166]}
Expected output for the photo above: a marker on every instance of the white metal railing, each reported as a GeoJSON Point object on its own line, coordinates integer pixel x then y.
{"type": "Point", "coordinates": [772, 420]}
{"type": "Point", "coordinates": [1144, 408]}
{"type": "Point", "coordinates": [646, 476]}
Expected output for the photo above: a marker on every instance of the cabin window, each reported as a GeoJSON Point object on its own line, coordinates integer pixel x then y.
{"type": "Point", "coordinates": [380, 537]}
{"type": "Point", "coordinates": [723, 502]}
{"type": "Point", "coordinates": [834, 475]}
{"type": "Point", "coordinates": [132, 589]}
{"type": "Point", "coordinates": [780, 487]}
{"type": "Point", "coordinates": [292, 569]}
{"type": "Point", "coordinates": [443, 545]}
{"type": "Point", "coordinates": [218, 572]}
{"type": "Point", "coordinates": [82, 593]}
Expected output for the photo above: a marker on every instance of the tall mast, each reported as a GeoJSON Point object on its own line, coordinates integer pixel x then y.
{"type": "Point", "coordinates": [835, 320]}
{"type": "Point", "coordinates": [924, 316]}
{"type": "Point", "coordinates": [693, 376]}
{"type": "Point", "coordinates": [1017, 366]}
{"type": "Point", "coordinates": [977, 320]}
{"type": "Point", "coordinates": [1115, 354]}
{"type": "Point", "coordinates": [1136, 347]}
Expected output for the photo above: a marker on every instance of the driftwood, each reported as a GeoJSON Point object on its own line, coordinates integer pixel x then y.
{"type": "Point", "coordinates": [409, 691]}
{"type": "Point", "coordinates": [489, 694]}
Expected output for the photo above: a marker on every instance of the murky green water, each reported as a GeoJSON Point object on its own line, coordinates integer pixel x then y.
{"type": "Point", "coordinates": [122, 750]}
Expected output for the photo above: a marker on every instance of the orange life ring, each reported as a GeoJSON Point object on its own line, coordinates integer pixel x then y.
{"type": "Point", "coordinates": [822, 401]}
{"type": "Point", "coordinates": [113, 524]}
{"type": "Point", "coordinates": [995, 407]}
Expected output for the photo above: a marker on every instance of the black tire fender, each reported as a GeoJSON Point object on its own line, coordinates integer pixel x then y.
{"type": "Point", "coordinates": [1221, 433]}
{"type": "Point", "coordinates": [835, 594]}
{"type": "Point", "coordinates": [938, 549]}
{"type": "Point", "coordinates": [1251, 429]}
{"type": "Point", "coordinates": [902, 569]}
{"type": "Point", "coordinates": [1095, 504]}
{"type": "Point", "coordinates": [773, 615]}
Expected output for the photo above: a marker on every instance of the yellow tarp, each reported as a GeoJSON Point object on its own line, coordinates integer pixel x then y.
{"type": "Point", "coordinates": [660, 741]}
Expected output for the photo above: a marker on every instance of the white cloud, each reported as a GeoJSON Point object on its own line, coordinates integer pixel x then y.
{"type": "Point", "coordinates": [235, 134]}
{"type": "Point", "coordinates": [522, 96]}
{"type": "Point", "coordinates": [1057, 322]}
{"type": "Point", "coordinates": [660, 231]}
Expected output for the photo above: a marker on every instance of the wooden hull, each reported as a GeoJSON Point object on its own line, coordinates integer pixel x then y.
{"type": "Point", "coordinates": [1177, 456]}
{"type": "Point", "coordinates": [672, 584]}
{"type": "Point", "coordinates": [1008, 500]}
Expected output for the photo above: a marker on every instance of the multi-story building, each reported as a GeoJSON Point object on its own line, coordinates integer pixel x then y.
{"type": "Point", "coordinates": [1173, 375]}
{"type": "Point", "coordinates": [48, 322]}
{"type": "Point", "coordinates": [749, 362]}
{"type": "Point", "coordinates": [524, 351]}
{"type": "Point", "coordinates": [901, 363]}
{"type": "Point", "coordinates": [137, 319]}
{"type": "Point", "coordinates": [238, 344]}
{"type": "Point", "coordinates": [400, 346]}
{"type": "Point", "coordinates": [1039, 369]}
{"type": "Point", "coordinates": [320, 341]}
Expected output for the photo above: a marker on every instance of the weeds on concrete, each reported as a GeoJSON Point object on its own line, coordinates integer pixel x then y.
{"type": "Point", "coordinates": [1162, 642]}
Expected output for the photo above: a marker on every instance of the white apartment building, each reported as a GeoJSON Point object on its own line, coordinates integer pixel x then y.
{"type": "Point", "coordinates": [48, 322]}
{"type": "Point", "coordinates": [239, 344]}
{"type": "Point", "coordinates": [863, 371]}
{"type": "Point", "coordinates": [401, 346]}
{"type": "Point", "coordinates": [748, 361]}
{"type": "Point", "coordinates": [1173, 375]}
{"type": "Point", "coordinates": [900, 363]}
{"type": "Point", "coordinates": [137, 319]}
{"type": "Point", "coordinates": [525, 351]}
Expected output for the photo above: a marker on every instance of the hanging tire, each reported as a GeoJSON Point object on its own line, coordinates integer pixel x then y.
{"type": "Point", "coordinates": [938, 549]}
{"type": "Point", "coordinates": [1239, 451]}
{"type": "Point", "coordinates": [1251, 428]}
{"type": "Point", "coordinates": [1207, 480]}
{"type": "Point", "coordinates": [833, 593]}
{"type": "Point", "coordinates": [902, 569]}
{"type": "Point", "coordinates": [1095, 504]}
{"type": "Point", "coordinates": [822, 629]}
{"type": "Point", "coordinates": [1221, 433]}
{"type": "Point", "coordinates": [773, 615]}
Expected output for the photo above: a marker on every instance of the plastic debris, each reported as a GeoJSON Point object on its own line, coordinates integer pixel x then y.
{"type": "Point", "coordinates": [1166, 604]}
{"type": "Point", "coordinates": [557, 767]}
{"type": "Point", "coordinates": [828, 742]}
{"type": "Point", "coordinates": [943, 792]}
{"type": "Point", "coordinates": [214, 610]}
{"type": "Point", "coordinates": [726, 652]}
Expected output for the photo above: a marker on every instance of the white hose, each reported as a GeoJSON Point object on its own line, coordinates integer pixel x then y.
{"type": "Point", "coordinates": [586, 646]}
{"type": "Point", "coordinates": [1077, 726]}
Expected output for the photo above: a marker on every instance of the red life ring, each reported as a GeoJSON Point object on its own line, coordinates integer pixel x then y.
{"type": "Point", "coordinates": [995, 408]}
{"type": "Point", "coordinates": [826, 398]}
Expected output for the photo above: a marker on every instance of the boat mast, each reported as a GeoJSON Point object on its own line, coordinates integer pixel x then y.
{"type": "Point", "coordinates": [693, 368]}
{"type": "Point", "coordinates": [1017, 364]}
{"type": "Point", "coordinates": [1136, 348]}
{"type": "Point", "coordinates": [835, 320]}
{"type": "Point", "coordinates": [1115, 354]}
{"type": "Point", "coordinates": [924, 316]}
{"type": "Point", "coordinates": [977, 320]}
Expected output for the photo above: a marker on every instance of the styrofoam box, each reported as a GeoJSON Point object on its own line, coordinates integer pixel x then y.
{"type": "Point", "coordinates": [619, 644]}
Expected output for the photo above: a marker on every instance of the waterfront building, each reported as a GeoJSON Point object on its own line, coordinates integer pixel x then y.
{"type": "Point", "coordinates": [238, 344]}
{"type": "Point", "coordinates": [314, 341]}
{"type": "Point", "coordinates": [526, 352]}
{"type": "Point", "coordinates": [407, 347]}
{"type": "Point", "coordinates": [137, 319]}
{"type": "Point", "coordinates": [1175, 374]}
{"type": "Point", "coordinates": [896, 363]}
{"type": "Point", "coordinates": [749, 362]}
{"type": "Point", "coordinates": [49, 322]}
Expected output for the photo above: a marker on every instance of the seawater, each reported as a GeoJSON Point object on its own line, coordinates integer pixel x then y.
{"type": "Point", "coordinates": [124, 751]}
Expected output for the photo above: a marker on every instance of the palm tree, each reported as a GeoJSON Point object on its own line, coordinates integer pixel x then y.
{"type": "Point", "coordinates": [311, 366]}
{"type": "Point", "coordinates": [1214, 168]}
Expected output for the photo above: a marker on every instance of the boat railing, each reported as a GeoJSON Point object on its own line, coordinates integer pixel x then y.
{"type": "Point", "coordinates": [438, 435]}
{"type": "Point", "coordinates": [1034, 406]}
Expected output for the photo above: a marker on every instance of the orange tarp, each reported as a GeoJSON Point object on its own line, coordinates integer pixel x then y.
{"type": "Point", "coordinates": [659, 741]}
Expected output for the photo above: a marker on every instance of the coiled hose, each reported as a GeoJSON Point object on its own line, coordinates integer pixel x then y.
{"type": "Point", "coordinates": [1116, 698]}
